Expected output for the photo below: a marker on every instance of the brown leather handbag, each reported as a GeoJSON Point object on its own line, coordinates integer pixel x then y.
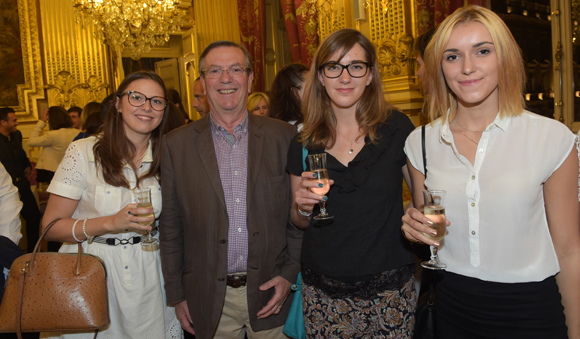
{"type": "Point", "coordinates": [53, 292]}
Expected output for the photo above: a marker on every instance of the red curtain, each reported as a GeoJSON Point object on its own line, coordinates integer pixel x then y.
{"type": "Point", "coordinates": [300, 18]}
{"type": "Point", "coordinates": [252, 18]}
{"type": "Point", "coordinates": [431, 13]}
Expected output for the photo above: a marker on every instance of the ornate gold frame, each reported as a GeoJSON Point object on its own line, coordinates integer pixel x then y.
{"type": "Point", "coordinates": [33, 87]}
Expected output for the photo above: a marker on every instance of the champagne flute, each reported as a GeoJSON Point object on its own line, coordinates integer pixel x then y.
{"type": "Point", "coordinates": [317, 164]}
{"type": "Point", "coordinates": [143, 197]}
{"type": "Point", "coordinates": [435, 210]}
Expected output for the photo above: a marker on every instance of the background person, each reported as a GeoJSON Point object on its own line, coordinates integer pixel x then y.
{"type": "Point", "coordinates": [200, 100]}
{"type": "Point", "coordinates": [93, 192]}
{"type": "Point", "coordinates": [89, 109]}
{"type": "Point", "coordinates": [16, 162]}
{"type": "Point", "coordinates": [54, 142]}
{"type": "Point", "coordinates": [286, 94]}
{"type": "Point", "coordinates": [258, 104]}
{"type": "Point", "coordinates": [513, 248]}
{"type": "Point", "coordinates": [357, 275]}
{"type": "Point", "coordinates": [75, 115]}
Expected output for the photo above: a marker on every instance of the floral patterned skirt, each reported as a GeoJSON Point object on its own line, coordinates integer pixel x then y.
{"type": "Point", "coordinates": [383, 307]}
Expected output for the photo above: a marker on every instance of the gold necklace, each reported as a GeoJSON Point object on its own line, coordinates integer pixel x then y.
{"type": "Point", "coordinates": [141, 157]}
{"type": "Point", "coordinates": [460, 125]}
{"type": "Point", "coordinates": [351, 142]}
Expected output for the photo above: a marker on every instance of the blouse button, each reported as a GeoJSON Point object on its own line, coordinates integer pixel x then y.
{"type": "Point", "coordinates": [472, 232]}
{"type": "Point", "coordinates": [472, 204]}
{"type": "Point", "coordinates": [108, 192]}
{"type": "Point", "coordinates": [472, 177]}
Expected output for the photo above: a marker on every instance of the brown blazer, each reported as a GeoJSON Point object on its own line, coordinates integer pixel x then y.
{"type": "Point", "coordinates": [194, 221]}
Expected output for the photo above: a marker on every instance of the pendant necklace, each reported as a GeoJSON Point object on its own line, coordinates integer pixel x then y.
{"type": "Point", "coordinates": [465, 135]}
{"type": "Point", "coordinates": [351, 142]}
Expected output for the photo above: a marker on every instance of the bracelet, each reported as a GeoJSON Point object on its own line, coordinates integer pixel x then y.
{"type": "Point", "coordinates": [303, 214]}
{"type": "Point", "coordinates": [89, 239]}
{"type": "Point", "coordinates": [73, 230]}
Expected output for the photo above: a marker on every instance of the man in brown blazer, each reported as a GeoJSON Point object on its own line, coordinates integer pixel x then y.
{"type": "Point", "coordinates": [228, 250]}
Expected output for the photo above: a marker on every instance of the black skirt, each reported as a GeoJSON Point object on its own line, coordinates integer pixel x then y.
{"type": "Point", "coordinates": [473, 308]}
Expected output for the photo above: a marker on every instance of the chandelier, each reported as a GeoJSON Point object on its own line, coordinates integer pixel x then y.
{"type": "Point", "coordinates": [133, 25]}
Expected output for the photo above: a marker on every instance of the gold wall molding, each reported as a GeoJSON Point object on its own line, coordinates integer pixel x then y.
{"type": "Point", "coordinates": [395, 56]}
{"type": "Point", "coordinates": [66, 92]}
{"type": "Point", "coordinates": [215, 20]}
{"type": "Point", "coordinates": [72, 55]}
{"type": "Point", "coordinates": [33, 87]}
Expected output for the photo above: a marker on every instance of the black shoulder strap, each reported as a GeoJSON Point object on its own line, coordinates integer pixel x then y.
{"type": "Point", "coordinates": [424, 151]}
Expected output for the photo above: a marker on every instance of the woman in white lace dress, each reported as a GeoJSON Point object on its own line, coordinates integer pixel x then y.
{"type": "Point", "coordinates": [92, 193]}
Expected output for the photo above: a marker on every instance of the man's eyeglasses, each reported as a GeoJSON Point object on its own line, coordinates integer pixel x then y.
{"type": "Point", "coordinates": [356, 69]}
{"type": "Point", "coordinates": [138, 99]}
{"type": "Point", "coordinates": [215, 72]}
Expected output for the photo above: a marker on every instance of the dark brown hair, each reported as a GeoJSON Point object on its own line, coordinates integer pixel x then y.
{"type": "Point", "coordinates": [372, 109]}
{"type": "Point", "coordinates": [284, 101]}
{"type": "Point", "coordinates": [58, 118]}
{"type": "Point", "coordinates": [113, 149]}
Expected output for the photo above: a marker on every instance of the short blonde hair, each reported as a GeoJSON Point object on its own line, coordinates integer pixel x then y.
{"type": "Point", "coordinates": [254, 100]}
{"type": "Point", "coordinates": [511, 73]}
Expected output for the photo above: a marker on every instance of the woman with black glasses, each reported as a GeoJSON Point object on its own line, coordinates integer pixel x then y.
{"type": "Point", "coordinates": [357, 275]}
{"type": "Point", "coordinates": [93, 194]}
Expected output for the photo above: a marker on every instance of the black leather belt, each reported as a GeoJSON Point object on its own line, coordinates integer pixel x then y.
{"type": "Point", "coordinates": [117, 241]}
{"type": "Point", "coordinates": [236, 280]}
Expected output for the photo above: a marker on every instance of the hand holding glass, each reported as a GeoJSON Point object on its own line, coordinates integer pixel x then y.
{"type": "Point", "coordinates": [435, 210]}
{"type": "Point", "coordinates": [317, 164]}
{"type": "Point", "coordinates": [143, 198]}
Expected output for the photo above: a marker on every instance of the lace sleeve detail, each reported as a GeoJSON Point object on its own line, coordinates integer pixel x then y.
{"type": "Point", "coordinates": [70, 177]}
{"type": "Point", "coordinates": [578, 149]}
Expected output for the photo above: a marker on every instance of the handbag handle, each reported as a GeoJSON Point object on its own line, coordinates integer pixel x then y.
{"type": "Point", "coordinates": [30, 265]}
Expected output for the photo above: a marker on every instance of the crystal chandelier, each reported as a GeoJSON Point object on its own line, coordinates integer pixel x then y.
{"type": "Point", "coordinates": [133, 25]}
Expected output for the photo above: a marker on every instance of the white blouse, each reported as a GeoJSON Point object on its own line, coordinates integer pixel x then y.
{"type": "Point", "coordinates": [54, 145]}
{"type": "Point", "coordinates": [499, 230]}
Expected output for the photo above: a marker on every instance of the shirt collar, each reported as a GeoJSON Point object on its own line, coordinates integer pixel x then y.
{"type": "Point", "coordinates": [241, 128]}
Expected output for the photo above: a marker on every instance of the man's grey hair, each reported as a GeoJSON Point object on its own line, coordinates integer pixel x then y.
{"type": "Point", "coordinates": [224, 43]}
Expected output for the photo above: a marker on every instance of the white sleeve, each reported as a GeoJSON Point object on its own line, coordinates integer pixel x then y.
{"type": "Point", "coordinates": [37, 140]}
{"type": "Point", "coordinates": [10, 206]}
{"type": "Point", "coordinates": [69, 180]}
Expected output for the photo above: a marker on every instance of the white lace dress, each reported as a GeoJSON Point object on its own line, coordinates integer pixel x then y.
{"type": "Point", "coordinates": [137, 303]}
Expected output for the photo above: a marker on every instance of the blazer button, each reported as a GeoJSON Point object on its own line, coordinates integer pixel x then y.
{"type": "Point", "coordinates": [221, 279]}
{"type": "Point", "coordinates": [223, 241]}
{"type": "Point", "coordinates": [256, 233]}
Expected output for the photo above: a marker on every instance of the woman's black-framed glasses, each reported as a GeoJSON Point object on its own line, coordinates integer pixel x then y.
{"type": "Point", "coordinates": [356, 69]}
{"type": "Point", "coordinates": [138, 99]}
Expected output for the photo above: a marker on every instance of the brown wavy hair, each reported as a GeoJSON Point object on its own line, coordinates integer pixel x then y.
{"type": "Point", "coordinates": [113, 149]}
{"type": "Point", "coordinates": [372, 109]}
{"type": "Point", "coordinates": [58, 118]}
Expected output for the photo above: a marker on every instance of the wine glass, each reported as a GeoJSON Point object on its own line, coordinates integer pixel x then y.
{"type": "Point", "coordinates": [317, 164]}
{"type": "Point", "coordinates": [435, 210]}
{"type": "Point", "coordinates": [143, 198]}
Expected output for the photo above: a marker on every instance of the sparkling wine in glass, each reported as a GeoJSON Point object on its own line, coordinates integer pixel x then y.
{"type": "Point", "coordinates": [143, 198]}
{"type": "Point", "coordinates": [317, 164]}
{"type": "Point", "coordinates": [435, 210]}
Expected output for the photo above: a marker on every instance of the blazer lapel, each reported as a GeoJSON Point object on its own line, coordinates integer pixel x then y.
{"type": "Point", "coordinates": [255, 146]}
{"type": "Point", "coordinates": [208, 158]}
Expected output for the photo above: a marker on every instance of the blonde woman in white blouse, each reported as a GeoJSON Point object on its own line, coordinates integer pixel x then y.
{"type": "Point", "coordinates": [513, 247]}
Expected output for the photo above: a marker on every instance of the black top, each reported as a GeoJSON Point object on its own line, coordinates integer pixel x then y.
{"type": "Point", "coordinates": [12, 155]}
{"type": "Point", "coordinates": [364, 238]}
